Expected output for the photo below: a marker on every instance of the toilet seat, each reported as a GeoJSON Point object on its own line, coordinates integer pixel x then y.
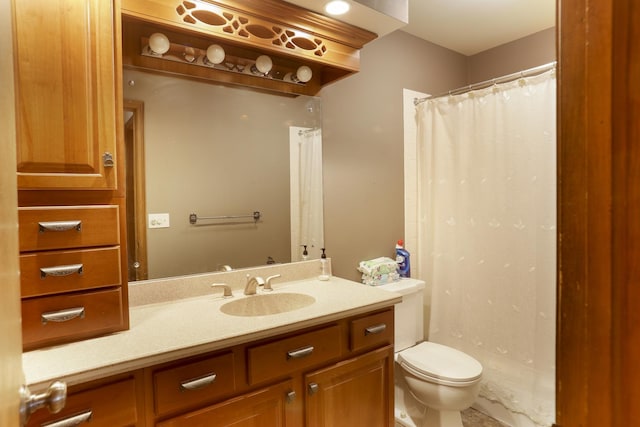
{"type": "Point", "coordinates": [440, 364]}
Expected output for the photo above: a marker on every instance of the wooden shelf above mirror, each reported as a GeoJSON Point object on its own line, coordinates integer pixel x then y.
{"type": "Point", "coordinates": [291, 36]}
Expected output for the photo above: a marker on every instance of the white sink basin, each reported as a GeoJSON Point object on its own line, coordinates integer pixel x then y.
{"type": "Point", "coordinates": [265, 304]}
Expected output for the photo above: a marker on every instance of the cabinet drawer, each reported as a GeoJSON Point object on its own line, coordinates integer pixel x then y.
{"type": "Point", "coordinates": [372, 330]}
{"type": "Point", "coordinates": [268, 407]}
{"type": "Point", "coordinates": [279, 358]}
{"type": "Point", "coordinates": [62, 227]}
{"type": "Point", "coordinates": [112, 405]}
{"type": "Point", "coordinates": [48, 320]}
{"type": "Point", "coordinates": [45, 273]}
{"type": "Point", "coordinates": [193, 383]}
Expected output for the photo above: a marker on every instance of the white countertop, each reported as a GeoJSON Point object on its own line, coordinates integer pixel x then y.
{"type": "Point", "coordinates": [171, 330]}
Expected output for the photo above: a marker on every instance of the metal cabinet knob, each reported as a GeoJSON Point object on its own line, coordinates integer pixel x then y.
{"type": "Point", "coordinates": [313, 388]}
{"type": "Point", "coordinates": [53, 399]}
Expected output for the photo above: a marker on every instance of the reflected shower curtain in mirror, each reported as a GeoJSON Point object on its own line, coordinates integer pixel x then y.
{"type": "Point", "coordinates": [307, 186]}
{"type": "Point", "coordinates": [487, 235]}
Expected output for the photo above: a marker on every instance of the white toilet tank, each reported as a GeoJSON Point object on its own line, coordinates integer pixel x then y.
{"type": "Point", "coordinates": [409, 313]}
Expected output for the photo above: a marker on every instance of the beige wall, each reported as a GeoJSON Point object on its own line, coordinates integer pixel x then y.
{"type": "Point", "coordinates": [363, 145]}
{"type": "Point", "coordinates": [528, 52]}
{"type": "Point", "coordinates": [363, 134]}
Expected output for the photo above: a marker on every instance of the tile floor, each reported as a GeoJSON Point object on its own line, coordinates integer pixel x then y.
{"type": "Point", "coordinates": [474, 418]}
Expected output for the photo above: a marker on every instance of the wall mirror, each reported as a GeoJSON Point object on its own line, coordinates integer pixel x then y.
{"type": "Point", "coordinates": [221, 153]}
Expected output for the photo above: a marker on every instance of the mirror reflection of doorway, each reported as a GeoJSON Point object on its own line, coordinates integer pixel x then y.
{"type": "Point", "coordinates": [135, 194]}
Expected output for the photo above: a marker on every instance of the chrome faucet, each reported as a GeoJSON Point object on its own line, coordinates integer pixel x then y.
{"type": "Point", "coordinates": [267, 285]}
{"type": "Point", "coordinates": [252, 283]}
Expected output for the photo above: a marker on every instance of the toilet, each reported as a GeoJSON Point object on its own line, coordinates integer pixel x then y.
{"type": "Point", "coordinates": [433, 382]}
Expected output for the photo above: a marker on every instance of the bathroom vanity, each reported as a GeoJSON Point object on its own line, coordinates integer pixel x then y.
{"type": "Point", "coordinates": [69, 128]}
{"type": "Point", "coordinates": [185, 363]}
{"type": "Point", "coordinates": [164, 353]}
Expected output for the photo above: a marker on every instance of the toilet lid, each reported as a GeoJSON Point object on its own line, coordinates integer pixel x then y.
{"type": "Point", "coordinates": [439, 362]}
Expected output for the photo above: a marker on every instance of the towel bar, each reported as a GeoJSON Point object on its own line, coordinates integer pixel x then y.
{"type": "Point", "coordinates": [193, 218]}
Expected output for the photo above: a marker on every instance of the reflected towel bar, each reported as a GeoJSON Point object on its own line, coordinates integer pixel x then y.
{"type": "Point", "coordinates": [193, 218]}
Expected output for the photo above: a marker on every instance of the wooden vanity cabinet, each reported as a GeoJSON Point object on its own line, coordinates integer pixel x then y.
{"type": "Point", "coordinates": [70, 165]}
{"type": "Point", "coordinates": [312, 377]}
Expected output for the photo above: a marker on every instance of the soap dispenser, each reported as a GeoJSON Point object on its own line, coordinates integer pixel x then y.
{"type": "Point", "coordinates": [305, 254]}
{"type": "Point", "coordinates": [325, 267]}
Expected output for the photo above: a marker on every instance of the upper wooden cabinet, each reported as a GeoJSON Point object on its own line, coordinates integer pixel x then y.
{"type": "Point", "coordinates": [66, 56]}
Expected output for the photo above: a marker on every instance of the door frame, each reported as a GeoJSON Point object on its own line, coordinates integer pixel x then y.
{"type": "Point", "coordinates": [598, 339]}
{"type": "Point", "coordinates": [136, 190]}
{"type": "Point", "coordinates": [11, 374]}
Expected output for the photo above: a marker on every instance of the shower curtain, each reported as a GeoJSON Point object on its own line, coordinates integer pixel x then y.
{"type": "Point", "coordinates": [487, 235]}
{"type": "Point", "coordinates": [306, 187]}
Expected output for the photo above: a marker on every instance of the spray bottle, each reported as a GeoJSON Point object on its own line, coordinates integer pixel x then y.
{"type": "Point", "coordinates": [402, 258]}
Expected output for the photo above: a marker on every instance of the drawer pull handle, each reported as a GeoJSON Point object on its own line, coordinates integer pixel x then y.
{"type": "Point", "coordinates": [198, 383]}
{"type": "Point", "coordinates": [71, 421]}
{"type": "Point", "coordinates": [291, 396]}
{"type": "Point", "coordinates": [60, 270]}
{"type": "Point", "coordinates": [299, 353]}
{"type": "Point", "coordinates": [377, 329]}
{"type": "Point", "coordinates": [62, 315]}
{"type": "Point", "coordinates": [60, 226]}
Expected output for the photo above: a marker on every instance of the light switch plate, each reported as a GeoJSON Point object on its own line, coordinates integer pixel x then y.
{"type": "Point", "coordinates": [159, 220]}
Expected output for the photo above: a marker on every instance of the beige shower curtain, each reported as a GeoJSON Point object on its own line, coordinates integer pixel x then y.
{"type": "Point", "coordinates": [487, 235]}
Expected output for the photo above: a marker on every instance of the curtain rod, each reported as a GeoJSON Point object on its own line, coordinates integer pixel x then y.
{"type": "Point", "coordinates": [487, 83]}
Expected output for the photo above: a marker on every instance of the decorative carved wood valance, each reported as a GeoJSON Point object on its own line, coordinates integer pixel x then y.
{"type": "Point", "coordinates": [289, 35]}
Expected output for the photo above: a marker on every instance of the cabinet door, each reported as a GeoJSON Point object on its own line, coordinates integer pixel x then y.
{"type": "Point", "coordinates": [269, 406]}
{"type": "Point", "coordinates": [65, 93]}
{"type": "Point", "coordinates": [356, 392]}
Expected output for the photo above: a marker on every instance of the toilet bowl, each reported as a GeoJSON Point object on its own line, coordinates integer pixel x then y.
{"type": "Point", "coordinates": [446, 381]}
{"type": "Point", "coordinates": [442, 379]}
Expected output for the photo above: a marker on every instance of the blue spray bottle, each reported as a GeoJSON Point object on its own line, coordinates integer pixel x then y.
{"type": "Point", "coordinates": [402, 258]}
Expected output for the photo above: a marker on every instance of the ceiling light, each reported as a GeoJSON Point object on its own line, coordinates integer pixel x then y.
{"type": "Point", "coordinates": [337, 7]}
{"type": "Point", "coordinates": [157, 45]}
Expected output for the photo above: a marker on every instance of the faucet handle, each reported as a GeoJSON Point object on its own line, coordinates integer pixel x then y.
{"type": "Point", "coordinates": [226, 288]}
{"type": "Point", "coordinates": [267, 284]}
